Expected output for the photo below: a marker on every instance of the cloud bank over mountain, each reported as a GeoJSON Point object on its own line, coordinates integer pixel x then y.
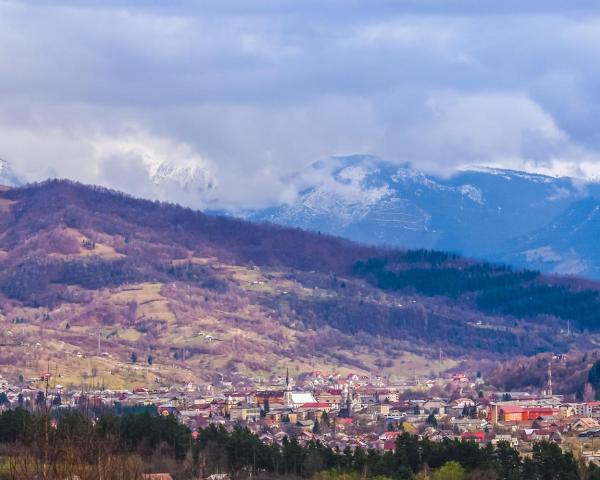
{"type": "Point", "coordinates": [213, 104]}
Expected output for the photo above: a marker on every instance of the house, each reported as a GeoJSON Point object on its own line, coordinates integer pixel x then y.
{"type": "Point", "coordinates": [305, 425]}
{"type": "Point", "coordinates": [468, 424]}
{"type": "Point", "coordinates": [269, 397]}
{"type": "Point", "coordinates": [458, 406]}
{"type": "Point", "coordinates": [437, 407]}
{"type": "Point", "coordinates": [514, 442]}
{"type": "Point", "coordinates": [379, 409]}
{"type": "Point", "coordinates": [477, 437]}
{"type": "Point", "coordinates": [245, 412]}
{"type": "Point", "coordinates": [585, 423]}
{"type": "Point", "coordinates": [580, 409]}
{"type": "Point", "coordinates": [331, 397]}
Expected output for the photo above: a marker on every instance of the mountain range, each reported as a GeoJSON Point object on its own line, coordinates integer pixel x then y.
{"type": "Point", "coordinates": [121, 291]}
{"type": "Point", "coordinates": [524, 219]}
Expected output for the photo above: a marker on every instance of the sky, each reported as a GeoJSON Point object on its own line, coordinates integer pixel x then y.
{"type": "Point", "coordinates": [228, 98]}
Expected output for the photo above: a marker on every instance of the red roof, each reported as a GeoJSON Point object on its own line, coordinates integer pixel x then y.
{"type": "Point", "coordinates": [334, 392]}
{"type": "Point", "coordinates": [512, 409]}
{"type": "Point", "coordinates": [549, 410]}
{"type": "Point", "coordinates": [479, 436]}
{"type": "Point", "coordinates": [344, 420]}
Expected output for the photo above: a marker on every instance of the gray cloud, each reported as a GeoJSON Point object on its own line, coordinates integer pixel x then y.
{"type": "Point", "coordinates": [249, 91]}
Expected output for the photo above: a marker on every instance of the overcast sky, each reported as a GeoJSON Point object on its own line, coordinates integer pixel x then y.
{"type": "Point", "coordinates": [248, 91]}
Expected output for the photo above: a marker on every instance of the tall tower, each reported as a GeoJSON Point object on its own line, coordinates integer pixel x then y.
{"type": "Point", "coordinates": [349, 402]}
{"type": "Point", "coordinates": [287, 396]}
{"type": "Point", "coordinates": [549, 389]}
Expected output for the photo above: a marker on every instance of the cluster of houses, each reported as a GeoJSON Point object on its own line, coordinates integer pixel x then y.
{"type": "Point", "coordinates": [355, 411]}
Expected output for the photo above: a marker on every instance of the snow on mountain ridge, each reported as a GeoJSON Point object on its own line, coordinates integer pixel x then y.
{"type": "Point", "coordinates": [8, 176]}
{"type": "Point", "coordinates": [473, 193]}
{"type": "Point", "coordinates": [478, 212]}
{"type": "Point", "coordinates": [189, 176]}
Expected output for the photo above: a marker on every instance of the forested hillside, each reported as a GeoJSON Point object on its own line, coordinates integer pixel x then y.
{"type": "Point", "coordinates": [95, 274]}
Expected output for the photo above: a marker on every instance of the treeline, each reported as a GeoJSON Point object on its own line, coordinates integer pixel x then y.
{"type": "Point", "coordinates": [582, 308]}
{"type": "Point", "coordinates": [433, 273]}
{"type": "Point", "coordinates": [123, 447]}
{"type": "Point", "coordinates": [497, 289]}
{"type": "Point", "coordinates": [240, 451]}
{"type": "Point", "coordinates": [69, 445]}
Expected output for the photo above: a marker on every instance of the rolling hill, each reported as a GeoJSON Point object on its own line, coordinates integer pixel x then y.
{"type": "Point", "coordinates": [93, 279]}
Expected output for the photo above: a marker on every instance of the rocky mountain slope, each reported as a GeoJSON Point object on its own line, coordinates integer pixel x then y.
{"type": "Point", "coordinates": [568, 244]}
{"type": "Point", "coordinates": [477, 212]}
{"type": "Point", "coordinates": [91, 280]}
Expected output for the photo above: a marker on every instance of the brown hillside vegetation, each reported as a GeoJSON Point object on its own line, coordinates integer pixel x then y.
{"type": "Point", "coordinates": [90, 276]}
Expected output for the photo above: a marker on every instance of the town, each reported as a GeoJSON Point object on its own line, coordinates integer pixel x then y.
{"type": "Point", "coordinates": [346, 412]}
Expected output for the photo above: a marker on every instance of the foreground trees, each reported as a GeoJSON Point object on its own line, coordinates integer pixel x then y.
{"type": "Point", "coordinates": [123, 447]}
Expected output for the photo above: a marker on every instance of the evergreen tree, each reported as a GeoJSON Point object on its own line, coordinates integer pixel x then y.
{"type": "Point", "coordinates": [40, 399]}
{"type": "Point", "coordinates": [594, 375]}
{"type": "Point", "coordinates": [316, 427]}
{"type": "Point", "coordinates": [325, 420]}
{"type": "Point", "coordinates": [431, 420]}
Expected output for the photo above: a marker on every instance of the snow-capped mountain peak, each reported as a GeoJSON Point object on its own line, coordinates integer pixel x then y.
{"type": "Point", "coordinates": [189, 176]}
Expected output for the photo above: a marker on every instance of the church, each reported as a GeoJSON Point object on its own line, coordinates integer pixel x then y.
{"type": "Point", "coordinates": [295, 399]}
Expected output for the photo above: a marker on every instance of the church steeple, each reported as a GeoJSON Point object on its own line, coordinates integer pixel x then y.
{"type": "Point", "coordinates": [349, 399]}
{"type": "Point", "coordinates": [287, 396]}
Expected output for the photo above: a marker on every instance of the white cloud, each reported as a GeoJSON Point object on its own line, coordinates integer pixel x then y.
{"type": "Point", "coordinates": [248, 92]}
